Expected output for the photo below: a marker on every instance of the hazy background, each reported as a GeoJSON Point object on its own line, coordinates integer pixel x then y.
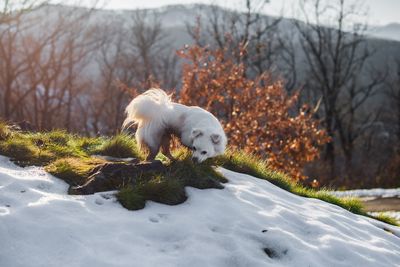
{"type": "Point", "coordinates": [380, 12]}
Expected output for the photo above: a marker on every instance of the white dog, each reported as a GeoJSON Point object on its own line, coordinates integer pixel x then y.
{"type": "Point", "coordinates": [157, 118]}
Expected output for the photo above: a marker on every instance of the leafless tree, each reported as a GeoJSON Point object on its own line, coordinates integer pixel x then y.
{"type": "Point", "coordinates": [108, 100]}
{"type": "Point", "coordinates": [288, 56]}
{"type": "Point", "coordinates": [393, 93]}
{"type": "Point", "coordinates": [42, 62]}
{"type": "Point", "coordinates": [134, 53]}
{"type": "Point", "coordinates": [231, 28]}
{"type": "Point", "coordinates": [336, 56]}
{"type": "Point", "coordinates": [11, 63]}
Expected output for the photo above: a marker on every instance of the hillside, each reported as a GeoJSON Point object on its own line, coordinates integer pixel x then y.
{"type": "Point", "coordinates": [97, 164]}
{"type": "Point", "coordinates": [390, 31]}
{"type": "Point", "coordinates": [229, 211]}
{"type": "Point", "coordinates": [249, 223]}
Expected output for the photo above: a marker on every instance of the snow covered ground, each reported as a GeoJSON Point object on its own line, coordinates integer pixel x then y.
{"type": "Point", "coordinates": [40, 225]}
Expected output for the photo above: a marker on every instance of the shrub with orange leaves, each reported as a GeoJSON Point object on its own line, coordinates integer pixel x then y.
{"type": "Point", "coordinates": [258, 115]}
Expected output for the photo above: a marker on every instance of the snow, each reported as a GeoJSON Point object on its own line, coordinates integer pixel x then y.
{"type": "Point", "coordinates": [375, 192]}
{"type": "Point", "coordinates": [40, 225]}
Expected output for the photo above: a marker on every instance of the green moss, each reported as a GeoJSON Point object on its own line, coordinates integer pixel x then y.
{"type": "Point", "coordinates": [131, 199]}
{"type": "Point", "coordinates": [120, 146]}
{"type": "Point", "coordinates": [24, 152]}
{"type": "Point", "coordinates": [200, 176]}
{"type": "Point", "coordinates": [351, 204]}
{"type": "Point", "coordinates": [59, 143]}
{"type": "Point", "coordinates": [169, 187]}
{"type": "Point", "coordinates": [74, 171]}
{"type": "Point", "coordinates": [59, 137]}
{"type": "Point", "coordinates": [43, 148]}
{"type": "Point", "coordinates": [163, 190]}
{"type": "Point", "coordinates": [242, 162]}
{"type": "Point", "coordinates": [88, 145]}
{"type": "Point", "coordinates": [160, 189]}
{"type": "Point", "coordinates": [5, 131]}
{"type": "Point", "coordinates": [20, 148]}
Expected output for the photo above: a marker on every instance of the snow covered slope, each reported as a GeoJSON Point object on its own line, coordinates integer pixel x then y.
{"type": "Point", "coordinates": [249, 223]}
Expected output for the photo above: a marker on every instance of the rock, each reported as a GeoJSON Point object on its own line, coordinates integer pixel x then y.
{"type": "Point", "coordinates": [115, 159]}
{"type": "Point", "coordinates": [114, 175]}
{"type": "Point", "coordinates": [24, 126]}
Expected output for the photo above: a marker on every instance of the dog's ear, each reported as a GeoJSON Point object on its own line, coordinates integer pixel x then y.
{"type": "Point", "coordinates": [196, 133]}
{"type": "Point", "coordinates": [216, 138]}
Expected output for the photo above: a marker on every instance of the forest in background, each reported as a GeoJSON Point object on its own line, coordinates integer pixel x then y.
{"type": "Point", "coordinates": [327, 95]}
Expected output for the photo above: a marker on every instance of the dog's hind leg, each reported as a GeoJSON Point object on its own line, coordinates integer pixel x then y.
{"type": "Point", "coordinates": [153, 148]}
{"type": "Point", "coordinates": [148, 141]}
{"type": "Point", "coordinates": [165, 142]}
{"type": "Point", "coordinates": [152, 154]}
{"type": "Point", "coordinates": [150, 151]}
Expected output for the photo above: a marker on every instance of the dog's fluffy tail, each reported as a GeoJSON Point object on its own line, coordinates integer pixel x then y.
{"type": "Point", "coordinates": [146, 107]}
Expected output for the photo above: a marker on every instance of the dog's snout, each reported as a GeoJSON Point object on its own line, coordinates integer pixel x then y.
{"type": "Point", "coordinates": [195, 159]}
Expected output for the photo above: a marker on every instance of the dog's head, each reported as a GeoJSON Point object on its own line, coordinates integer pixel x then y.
{"type": "Point", "coordinates": [207, 143]}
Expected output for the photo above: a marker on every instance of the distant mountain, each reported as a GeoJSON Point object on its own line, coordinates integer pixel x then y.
{"type": "Point", "coordinates": [389, 31]}
{"type": "Point", "coordinates": [174, 19]}
{"type": "Point", "coordinates": [385, 40]}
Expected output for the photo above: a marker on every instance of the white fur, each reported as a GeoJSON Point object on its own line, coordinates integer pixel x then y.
{"type": "Point", "coordinates": [157, 117]}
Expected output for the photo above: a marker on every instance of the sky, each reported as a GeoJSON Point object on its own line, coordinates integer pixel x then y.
{"type": "Point", "coordinates": [379, 12]}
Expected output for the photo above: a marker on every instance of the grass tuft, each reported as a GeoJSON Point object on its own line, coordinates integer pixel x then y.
{"type": "Point", "coordinates": [73, 171]}
{"type": "Point", "coordinates": [385, 218]}
{"type": "Point", "coordinates": [5, 131]}
{"type": "Point", "coordinates": [160, 189]}
{"type": "Point", "coordinates": [24, 152]}
{"type": "Point", "coordinates": [131, 198]}
{"type": "Point", "coordinates": [169, 188]}
{"type": "Point", "coordinates": [120, 146]}
{"type": "Point", "coordinates": [163, 190]}
{"type": "Point", "coordinates": [43, 148]}
{"type": "Point", "coordinates": [242, 162]}
{"type": "Point", "coordinates": [88, 145]}
{"type": "Point", "coordinates": [58, 137]}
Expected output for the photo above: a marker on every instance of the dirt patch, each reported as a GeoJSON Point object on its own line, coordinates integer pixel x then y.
{"type": "Point", "coordinates": [381, 204]}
